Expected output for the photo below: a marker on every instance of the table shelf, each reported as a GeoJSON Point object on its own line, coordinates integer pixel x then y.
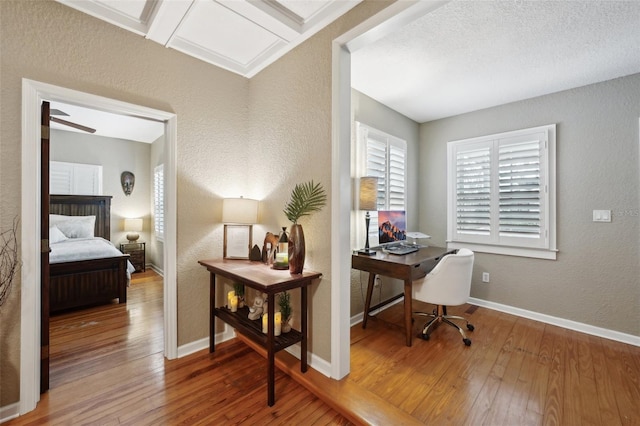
{"type": "Point", "coordinates": [253, 328]}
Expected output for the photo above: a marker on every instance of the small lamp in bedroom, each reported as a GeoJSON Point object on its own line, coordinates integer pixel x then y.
{"type": "Point", "coordinates": [368, 202]}
{"type": "Point", "coordinates": [133, 226]}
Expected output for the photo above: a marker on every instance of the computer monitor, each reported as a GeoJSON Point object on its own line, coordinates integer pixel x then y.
{"type": "Point", "coordinates": [392, 226]}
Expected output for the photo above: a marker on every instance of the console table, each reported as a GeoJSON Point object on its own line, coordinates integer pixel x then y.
{"type": "Point", "coordinates": [407, 267]}
{"type": "Point", "coordinates": [260, 277]}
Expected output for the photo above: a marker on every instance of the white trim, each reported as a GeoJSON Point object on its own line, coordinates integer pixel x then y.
{"type": "Point", "coordinates": [560, 322]}
{"type": "Point", "coordinates": [33, 93]}
{"type": "Point", "coordinates": [388, 20]}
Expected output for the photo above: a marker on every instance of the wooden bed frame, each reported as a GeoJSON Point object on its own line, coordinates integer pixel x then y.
{"type": "Point", "coordinates": [87, 282]}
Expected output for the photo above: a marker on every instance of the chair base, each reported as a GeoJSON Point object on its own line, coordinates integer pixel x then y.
{"type": "Point", "coordinates": [439, 315]}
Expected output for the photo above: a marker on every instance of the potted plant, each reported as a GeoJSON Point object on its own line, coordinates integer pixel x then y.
{"type": "Point", "coordinates": [239, 289]}
{"type": "Point", "coordinates": [284, 302]}
{"type": "Point", "coordinates": [306, 198]}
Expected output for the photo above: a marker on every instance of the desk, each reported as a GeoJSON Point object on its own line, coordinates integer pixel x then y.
{"type": "Point", "coordinates": [407, 267]}
{"type": "Point", "coordinates": [260, 277]}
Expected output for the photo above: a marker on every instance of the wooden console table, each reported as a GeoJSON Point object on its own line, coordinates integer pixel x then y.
{"type": "Point", "coordinates": [407, 267]}
{"type": "Point", "coordinates": [260, 277]}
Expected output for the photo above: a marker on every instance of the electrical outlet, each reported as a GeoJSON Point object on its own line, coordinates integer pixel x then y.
{"type": "Point", "coordinates": [485, 277]}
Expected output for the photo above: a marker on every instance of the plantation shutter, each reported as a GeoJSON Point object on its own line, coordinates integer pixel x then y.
{"type": "Point", "coordinates": [396, 177]}
{"type": "Point", "coordinates": [158, 201]}
{"type": "Point", "coordinates": [75, 178]}
{"type": "Point", "coordinates": [473, 191]}
{"type": "Point", "coordinates": [520, 189]}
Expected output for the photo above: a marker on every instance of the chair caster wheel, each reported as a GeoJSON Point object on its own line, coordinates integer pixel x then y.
{"type": "Point", "coordinates": [467, 342]}
{"type": "Point", "coordinates": [470, 327]}
{"type": "Point", "coordinates": [424, 336]}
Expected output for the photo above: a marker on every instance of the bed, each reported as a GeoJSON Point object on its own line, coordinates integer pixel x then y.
{"type": "Point", "coordinates": [91, 278]}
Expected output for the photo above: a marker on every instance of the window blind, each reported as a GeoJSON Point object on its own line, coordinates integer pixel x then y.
{"type": "Point", "coordinates": [158, 201]}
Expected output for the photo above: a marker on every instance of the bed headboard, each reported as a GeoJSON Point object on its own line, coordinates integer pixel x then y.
{"type": "Point", "coordinates": [85, 205]}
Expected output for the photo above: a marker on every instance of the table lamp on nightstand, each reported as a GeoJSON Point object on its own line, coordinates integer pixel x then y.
{"type": "Point", "coordinates": [133, 226]}
{"type": "Point", "coordinates": [368, 202]}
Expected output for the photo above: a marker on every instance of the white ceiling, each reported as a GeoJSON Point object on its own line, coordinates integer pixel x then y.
{"type": "Point", "coordinates": [242, 36]}
{"type": "Point", "coordinates": [461, 57]}
{"type": "Point", "coordinates": [470, 55]}
{"type": "Point", "coordinates": [107, 124]}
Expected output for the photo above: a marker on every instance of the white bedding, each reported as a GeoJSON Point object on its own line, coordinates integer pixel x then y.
{"type": "Point", "coordinates": [85, 248]}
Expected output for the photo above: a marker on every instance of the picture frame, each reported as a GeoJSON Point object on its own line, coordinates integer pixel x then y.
{"type": "Point", "coordinates": [237, 241]}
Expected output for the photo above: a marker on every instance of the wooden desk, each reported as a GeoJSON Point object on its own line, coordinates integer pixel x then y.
{"type": "Point", "coordinates": [407, 267]}
{"type": "Point", "coordinates": [259, 276]}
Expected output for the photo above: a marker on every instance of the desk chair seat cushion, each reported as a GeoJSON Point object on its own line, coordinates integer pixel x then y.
{"type": "Point", "coordinates": [449, 283]}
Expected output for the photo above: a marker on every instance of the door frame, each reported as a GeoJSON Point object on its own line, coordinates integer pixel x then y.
{"type": "Point", "coordinates": [33, 93]}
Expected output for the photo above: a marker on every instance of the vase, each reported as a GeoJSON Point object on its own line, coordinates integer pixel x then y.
{"type": "Point", "coordinates": [286, 325]}
{"type": "Point", "coordinates": [296, 249]}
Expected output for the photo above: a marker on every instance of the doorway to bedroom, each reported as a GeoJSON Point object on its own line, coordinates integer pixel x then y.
{"type": "Point", "coordinates": [91, 154]}
{"type": "Point", "coordinates": [33, 95]}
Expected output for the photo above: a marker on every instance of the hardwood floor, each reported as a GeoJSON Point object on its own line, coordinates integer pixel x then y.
{"type": "Point", "coordinates": [108, 368]}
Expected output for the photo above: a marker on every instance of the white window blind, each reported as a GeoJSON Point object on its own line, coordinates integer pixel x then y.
{"type": "Point", "coordinates": [385, 158]}
{"type": "Point", "coordinates": [75, 178]}
{"type": "Point", "coordinates": [502, 192]}
{"type": "Point", "coordinates": [158, 201]}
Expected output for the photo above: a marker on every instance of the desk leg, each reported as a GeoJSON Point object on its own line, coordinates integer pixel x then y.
{"type": "Point", "coordinates": [303, 326]}
{"type": "Point", "coordinates": [212, 315]}
{"type": "Point", "coordinates": [271, 369]}
{"type": "Point", "coordinates": [367, 303]}
{"type": "Point", "coordinates": [407, 310]}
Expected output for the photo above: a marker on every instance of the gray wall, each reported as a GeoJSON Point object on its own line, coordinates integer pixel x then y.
{"type": "Point", "coordinates": [595, 279]}
{"type": "Point", "coordinates": [369, 111]}
{"type": "Point", "coordinates": [115, 156]}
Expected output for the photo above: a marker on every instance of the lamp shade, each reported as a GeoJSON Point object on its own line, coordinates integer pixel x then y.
{"type": "Point", "coordinates": [242, 211]}
{"type": "Point", "coordinates": [134, 225]}
{"type": "Point", "coordinates": [368, 193]}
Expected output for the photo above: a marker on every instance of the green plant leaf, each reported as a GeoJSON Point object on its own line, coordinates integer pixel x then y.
{"type": "Point", "coordinates": [305, 199]}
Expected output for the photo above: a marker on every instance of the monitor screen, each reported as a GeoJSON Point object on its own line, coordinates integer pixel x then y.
{"type": "Point", "coordinates": [392, 226]}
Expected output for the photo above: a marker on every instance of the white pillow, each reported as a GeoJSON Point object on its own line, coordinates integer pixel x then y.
{"type": "Point", "coordinates": [74, 226]}
{"type": "Point", "coordinates": [56, 235]}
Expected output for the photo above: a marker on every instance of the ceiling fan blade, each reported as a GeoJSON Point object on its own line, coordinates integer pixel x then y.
{"type": "Point", "coordinates": [54, 111]}
{"type": "Point", "coordinates": [70, 124]}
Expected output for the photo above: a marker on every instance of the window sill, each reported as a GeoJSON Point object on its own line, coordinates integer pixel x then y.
{"type": "Point", "coordinates": [547, 254]}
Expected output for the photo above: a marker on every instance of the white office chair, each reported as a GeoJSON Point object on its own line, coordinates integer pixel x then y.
{"type": "Point", "coordinates": [448, 284]}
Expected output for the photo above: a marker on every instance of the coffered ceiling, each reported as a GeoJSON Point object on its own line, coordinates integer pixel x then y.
{"type": "Point", "coordinates": [242, 36]}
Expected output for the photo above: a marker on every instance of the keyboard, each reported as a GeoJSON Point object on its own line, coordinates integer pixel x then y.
{"type": "Point", "coordinates": [402, 249]}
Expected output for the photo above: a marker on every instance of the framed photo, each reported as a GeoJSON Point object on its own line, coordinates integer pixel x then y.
{"type": "Point", "coordinates": [237, 241]}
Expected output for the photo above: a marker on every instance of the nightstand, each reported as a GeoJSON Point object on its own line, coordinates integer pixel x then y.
{"type": "Point", "coordinates": [136, 252]}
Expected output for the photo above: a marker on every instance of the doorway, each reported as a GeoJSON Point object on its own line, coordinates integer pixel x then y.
{"type": "Point", "coordinates": [33, 94]}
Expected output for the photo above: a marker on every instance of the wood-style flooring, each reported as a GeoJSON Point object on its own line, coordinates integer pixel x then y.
{"type": "Point", "coordinates": [108, 368]}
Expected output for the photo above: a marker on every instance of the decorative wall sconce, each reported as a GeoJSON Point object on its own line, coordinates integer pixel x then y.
{"type": "Point", "coordinates": [127, 179]}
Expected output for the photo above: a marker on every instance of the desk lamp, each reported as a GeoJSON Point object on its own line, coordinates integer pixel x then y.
{"type": "Point", "coordinates": [368, 202]}
{"type": "Point", "coordinates": [133, 226]}
{"type": "Point", "coordinates": [240, 212]}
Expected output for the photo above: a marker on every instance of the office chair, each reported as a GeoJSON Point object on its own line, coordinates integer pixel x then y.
{"type": "Point", "coordinates": [448, 284]}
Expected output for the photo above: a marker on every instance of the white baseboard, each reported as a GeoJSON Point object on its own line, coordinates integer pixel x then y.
{"type": "Point", "coordinates": [560, 322]}
{"type": "Point", "coordinates": [9, 412]}
{"type": "Point", "coordinates": [314, 361]}
{"type": "Point", "coordinates": [547, 319]}
{"type": "Point", "coordinates": [155, 268]}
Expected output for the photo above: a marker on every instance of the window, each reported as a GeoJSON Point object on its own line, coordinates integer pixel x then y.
{"type": "Point", "coordinates": [501, 193]}
{"type": "Point", "coordinates": [385, 158]}
{"type": "Point", "coordinates": [158, 201]}
{"type": "Point", "coordinates": [75, 178]}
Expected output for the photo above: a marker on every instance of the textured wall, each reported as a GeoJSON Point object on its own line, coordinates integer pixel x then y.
{"type": "Point", "coordinates": [595, 279]}
{"type": "Point", "coordinates": [49, 42]}
{"type": "Point", "coordinates": [255, 138]}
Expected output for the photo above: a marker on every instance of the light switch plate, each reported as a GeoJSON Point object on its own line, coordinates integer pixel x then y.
{"type": "Point", "coordinates": [602, 215]}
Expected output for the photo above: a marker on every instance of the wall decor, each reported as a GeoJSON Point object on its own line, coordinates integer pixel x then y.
{"type": "Point", "coordinates": [127, 179]}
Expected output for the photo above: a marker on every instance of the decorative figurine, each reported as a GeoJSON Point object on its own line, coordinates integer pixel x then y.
{"type": "Point", "coordinates": [256, 311]}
